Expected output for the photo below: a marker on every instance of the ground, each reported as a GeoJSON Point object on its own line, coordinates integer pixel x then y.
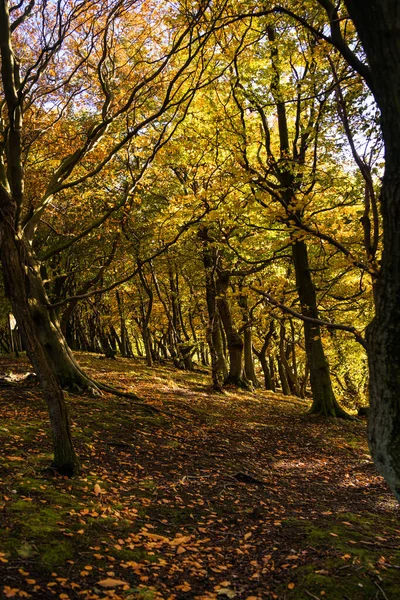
{"type": "Point", "coordinates": [244, 498]}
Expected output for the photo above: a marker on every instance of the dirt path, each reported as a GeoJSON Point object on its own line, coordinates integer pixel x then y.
{"type": "Point", "coordinates": [247, 499]}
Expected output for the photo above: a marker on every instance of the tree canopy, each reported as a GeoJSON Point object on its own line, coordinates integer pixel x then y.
{"type": "Point", "coordinates": [211, 183]}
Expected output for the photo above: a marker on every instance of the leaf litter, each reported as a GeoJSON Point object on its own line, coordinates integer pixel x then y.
{"type": "Point", "coordinates": [246, 499]}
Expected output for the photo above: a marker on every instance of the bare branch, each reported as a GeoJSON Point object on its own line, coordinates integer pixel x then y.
{"type": "Point", "coordinates": [359, 338]}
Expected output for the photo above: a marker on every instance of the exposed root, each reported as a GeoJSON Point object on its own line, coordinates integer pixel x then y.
{"type": "Point", "coordinates": [337, 414]}
{"type": "Point", "coordinates": [96, 387]}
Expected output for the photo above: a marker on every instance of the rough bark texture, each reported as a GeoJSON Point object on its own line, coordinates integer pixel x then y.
{"type": "Point", "coordinates": [324, 401]}
{"type": "Point", "coordinates": [20, 279]}
{"type": "Point", "coordinates": [378, 24]}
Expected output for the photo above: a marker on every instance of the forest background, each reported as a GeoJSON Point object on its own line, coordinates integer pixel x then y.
{"type": "Point", "coordinates": [201, 182]}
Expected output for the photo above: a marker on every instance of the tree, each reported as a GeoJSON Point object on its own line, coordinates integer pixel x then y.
{"type": "Point", "coordinates": [378, 26]}
{"type": "Point", "coordinates": [377, 23]}
{"type": "Point", "coordinates": [285, 167]}
{"type": "Point", "coordinates": [78, 70]}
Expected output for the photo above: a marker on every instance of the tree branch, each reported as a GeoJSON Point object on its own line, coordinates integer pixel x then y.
{"type": "Point", "coordinates": [359, 338]}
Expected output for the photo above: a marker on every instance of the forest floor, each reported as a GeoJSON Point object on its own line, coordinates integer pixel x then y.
{"type": "Point", "coordinates": [246, 499]}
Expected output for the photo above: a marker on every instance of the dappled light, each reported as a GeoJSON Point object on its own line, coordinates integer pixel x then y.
{"type": "Point", "coordinates": [199, 300]}
{"type": "Point", "coordinates": [242, 495]}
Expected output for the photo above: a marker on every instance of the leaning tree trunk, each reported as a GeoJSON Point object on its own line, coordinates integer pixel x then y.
{"type": "Point", "coordinates": [324, 401]}
{"type": "Point", "coordinates": [21, 278]}
{"type": "Point", "coordinates": [46, 328]}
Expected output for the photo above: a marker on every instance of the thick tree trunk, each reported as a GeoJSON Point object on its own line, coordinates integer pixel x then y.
{"type": "Point", "coordinates": [383, 339]}
{"type": "Point", "coordinates": [46, 326]}
{"type": "Point", "coordinates": [249, 368]}
{"type": "Point", "coordinates": [324, 401]}
{"type": "Point", "coordinates": [147, 345]}
{"type": "Point", "coordinates": [21, 280]}
{"type": "Point", "coordinates": [378, 24]}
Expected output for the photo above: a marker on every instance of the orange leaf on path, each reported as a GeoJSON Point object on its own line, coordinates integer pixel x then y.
{"type": "Point", "coordinates": [110, 583]}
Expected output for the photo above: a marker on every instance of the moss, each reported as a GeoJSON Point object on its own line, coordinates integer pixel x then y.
{"type": "Point", "coordinates": [143, 594]}
{"type": "Point", "coordinates": [173, 443]}
{"type": "Point", "coordinates": [148, 484]}
{"type": "Point", "coordinates": [137, 555]}
{"type": "Point", "coordinates": [176, 516]}
{"type": "Point", "coordinates": [56, 553]}
{"type": "Point", "coordinates": [334, 587]}
{"type": "Point", "coordinates": [353, 564]}
{"type": "Point", "coordinates": [33, 520]}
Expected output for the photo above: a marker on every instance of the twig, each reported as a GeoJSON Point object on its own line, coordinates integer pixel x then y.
{"type": "Point", "coordinates": [390, 566]}
{"type": "Point", "coordinates": [311, 595]}
{"type": "Point", "coordinates": [381, 590]}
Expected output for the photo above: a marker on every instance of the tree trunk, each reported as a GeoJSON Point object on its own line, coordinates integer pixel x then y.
{"type": "Point", "coordinates": [219, 369]}
{"type": "Point", "coordinates": [266, 361]}
{"type": "Point", "coordinates": [383, 337]}
{"type": "Point", "coordinates": [249, 369]}
{"type": "Point", "coordinates": [377, 22]}
{"type": "Point", "coordinates": [284, 351]}
{"type": "Point", "coordinates": [45, 324]}
{"type": "Point", "coordinates": [268, 381]}
{"type": "Point", "coordinates": [233, 337]}
{"type": "Point", "coordinates": [282, 376]}
{"type": "Point", "coordinates": [21, 281]}
{"type": "Point", "coordinates": [324, 401]}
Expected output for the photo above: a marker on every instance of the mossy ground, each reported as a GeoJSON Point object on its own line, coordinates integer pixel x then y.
{"type": "Point", "coordinates": [246, 498]}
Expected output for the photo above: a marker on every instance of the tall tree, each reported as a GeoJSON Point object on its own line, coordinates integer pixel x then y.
{"type": "Point", "coordinates": [78, 61]}
{"type": "Point", "coordinates": [378, 24]}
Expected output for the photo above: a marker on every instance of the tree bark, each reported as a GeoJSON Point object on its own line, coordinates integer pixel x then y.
{"type": "Point", "coordinates": [249, 368]}
{"type": "Point", "coordinates": [378, 24]}
{"type": "Point", "coordinates": [219, 369]}
{"type": "Point", "coordinates": [324, 401]}
{"type": "Point", "coordinates": [233, 337]}
{"type": "Point", "coordinates": [21, 282]}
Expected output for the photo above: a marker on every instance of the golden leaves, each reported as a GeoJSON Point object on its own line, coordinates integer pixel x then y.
{"type": "Point", "coordinates": [97, 490]}
{"type": "Point", "coordinates": [111, 583]}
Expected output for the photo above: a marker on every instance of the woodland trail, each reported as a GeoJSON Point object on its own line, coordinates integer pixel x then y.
{"type": "Point", "coordinates": [247, 499]}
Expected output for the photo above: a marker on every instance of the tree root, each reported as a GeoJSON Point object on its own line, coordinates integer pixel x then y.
{"type": "Point", "coordinates": [96, 387]}
{"type": "Point", "coordinates": [338, 414]}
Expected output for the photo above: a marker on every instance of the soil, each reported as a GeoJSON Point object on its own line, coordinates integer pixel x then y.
{"type": "Point", "coordinates": [240, 495]}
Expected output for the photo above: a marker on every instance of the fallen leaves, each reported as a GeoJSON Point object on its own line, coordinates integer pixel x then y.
{"type": "Point", "coordinates": [166, 518]}
{"type": "Point", "coordinates": [111, 583]}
